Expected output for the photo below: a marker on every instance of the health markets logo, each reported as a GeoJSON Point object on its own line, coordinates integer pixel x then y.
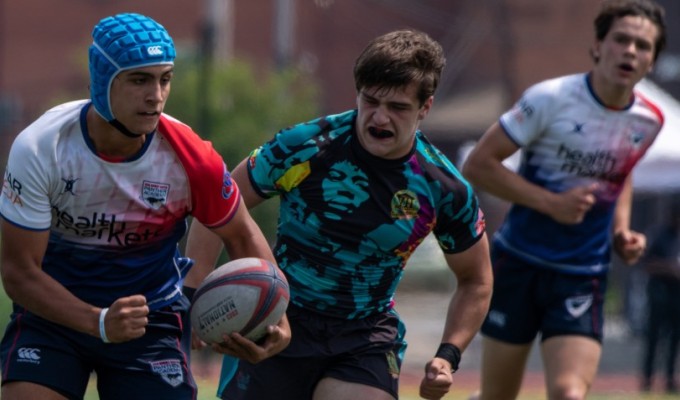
{"type": "Point", "coordinates": [102, 226]}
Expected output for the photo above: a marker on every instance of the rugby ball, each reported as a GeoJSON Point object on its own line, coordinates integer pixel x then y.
{"type": "Point", "coordinates": [244, 295]}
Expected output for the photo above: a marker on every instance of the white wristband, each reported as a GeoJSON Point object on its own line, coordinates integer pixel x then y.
{"type": "Point", "coordinates": [102, 328]}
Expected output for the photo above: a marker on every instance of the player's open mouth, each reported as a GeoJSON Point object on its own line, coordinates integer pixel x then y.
{"type": "Point", "coordinates": [380, 133]}
{"type": "Point", "coordinates": [626, 67]}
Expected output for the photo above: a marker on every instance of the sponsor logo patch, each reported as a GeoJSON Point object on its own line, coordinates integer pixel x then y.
{"type": "Point", "coordinates": [496, 318]}
{"type": "Point", "coordinates": [243, 380]}
{"type": "Point", "coordinates": [392, 365]}
{"type": "Point", "coordinates": [155, 194]}
{"type": "Point", "coordinates": [154, 50]}
{"type": "Point", "coordinates": [69, 185]}
{"type": "Point", "coordinates": [404, 205]}
{"type": "Point", "coordinates": [11, 189]}
{"type": "Point", "coordinates": [169, 370]}
{"type": "Point", "coordinates": [578, 305]}
{"type": "Point", "coordinates": [28, 355]}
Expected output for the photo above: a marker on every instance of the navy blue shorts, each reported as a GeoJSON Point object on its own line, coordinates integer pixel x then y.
{"type": "Point", "coordinates": [151, 367]}
{"type": "Point", "coordinates": [368, 351]}
{"type": "Point", "coordinates": [528, 299]}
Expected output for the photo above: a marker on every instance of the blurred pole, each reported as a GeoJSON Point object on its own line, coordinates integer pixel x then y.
{"type": "Point", "coordinates": [215, 44]}
{"type": "Point", "coordinates": [2, 46]}
{"type": "Point", "coordinates": [222, 14]}
{"type": "Point", "coordinates": [284, 34]}
{"type": "Point", "coordinates": [506, 47]}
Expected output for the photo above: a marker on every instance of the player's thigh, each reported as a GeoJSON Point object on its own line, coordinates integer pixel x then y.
{"type": "Point", "coordinates": [281, 378]}
{"type": "Point", "coordinates": [335, 389]}
{"type": "Point", "coordinates": [28, 390]}
{"type": "Point", "coordinates": [502, 368]}
{"type": "Point", "coordinates": [516, 311]}
{"type": "Point", "coordinates": [570, 363]}
{"type": "Point", "coordinates": [167, 380]}
{"type": "Point", "coordinates": [39, 355]}
{"type": "Point", "coordinates": [153, 366]}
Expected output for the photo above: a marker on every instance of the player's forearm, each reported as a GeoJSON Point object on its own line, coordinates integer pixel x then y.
{"type": "Point", "coordinates": [42, 295]}
{"type": "Point", "coordinates": [466, 312]}
{"type": "Point", "coordinates": [250, 245]}
{"type": "Point", "coordinates": [204, 247]}
{"type": "Point", "coordinates": [494, 178]}
{"type": "Point", "coordinates": [623, 208]}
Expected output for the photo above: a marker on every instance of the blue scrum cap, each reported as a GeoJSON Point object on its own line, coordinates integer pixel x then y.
{"type": "Point", "coordinates": [122, 42]}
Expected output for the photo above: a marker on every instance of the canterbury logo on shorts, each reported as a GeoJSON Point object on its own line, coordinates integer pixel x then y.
{"type": "Point", "coordinates": [29, 355]}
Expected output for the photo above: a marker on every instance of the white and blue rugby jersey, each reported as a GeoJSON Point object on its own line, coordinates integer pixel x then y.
{"type": "Point", "coordinates": [569, 139]}
{"type": "Point", "coordinates": [114, 226]}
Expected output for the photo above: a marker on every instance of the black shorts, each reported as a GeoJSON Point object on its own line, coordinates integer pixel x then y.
{"type": "Point", "coordinates": [368, 351]}
{"type": "Point", "coordinates": [528, 299]}
{"type": "Point", "coordinates": [151, 367]}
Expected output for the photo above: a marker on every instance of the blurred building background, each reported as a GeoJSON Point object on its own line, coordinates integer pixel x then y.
{"type": "Point", "coordinates": [495, 49]}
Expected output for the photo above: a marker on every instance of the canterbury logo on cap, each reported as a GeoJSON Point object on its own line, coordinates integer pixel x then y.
{"type": "Point", "coordinates": [154, 50]}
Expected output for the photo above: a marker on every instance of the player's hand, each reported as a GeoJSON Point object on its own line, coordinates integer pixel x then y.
{"type": "Point", "coordinates": [571, 206]}
{"type": "Point", "coordinates": [277, 338]}
{"type": "Point", "coordinates": [437, 380]}
{"type": "Point", "coordinates": [127, 319]}
{"type": "Point", "coordinates": [629, 245]}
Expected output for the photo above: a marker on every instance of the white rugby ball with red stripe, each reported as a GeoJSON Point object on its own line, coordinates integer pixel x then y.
{"type": "Point", "coordinates": [244, 295]}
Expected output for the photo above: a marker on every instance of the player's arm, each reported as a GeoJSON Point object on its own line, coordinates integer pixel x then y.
{"type": "Point", "coordinates": [241, 238]}
{"type": "Point", "coordinates": [484, 168]}
{"type": "Point", "coordinates": [466, 312]}
{"type": "Point", "coordinates": [629, 245]}
{"type": "Point", "coordinates": [204, 246]}
{"type": "Point", "coordinates": [28, 285]}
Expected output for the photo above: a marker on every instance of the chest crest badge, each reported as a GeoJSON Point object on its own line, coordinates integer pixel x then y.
{"type": "Point", "coordinates": [404, 205]}
{"type": "Point", "coordinates": [636, 139]}
{"type": "Point", "coordinates": [155, 194]}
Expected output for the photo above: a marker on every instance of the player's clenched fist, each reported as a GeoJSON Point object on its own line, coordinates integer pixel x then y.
{"type": "Point", "coordinates": [437, 381]}
{"type": "Point", "coordinates": [571, 206]}
{"type": "Point", "coordinates": [125, 320]}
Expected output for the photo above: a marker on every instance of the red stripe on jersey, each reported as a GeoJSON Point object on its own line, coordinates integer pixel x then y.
{"type": "Point", "coordinates": [651, 106]}
{"type": "Point", "coordinates": [214, 195]}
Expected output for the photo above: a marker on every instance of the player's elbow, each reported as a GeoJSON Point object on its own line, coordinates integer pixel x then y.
{"type": "Point", "coordinates": [21, 277]}
{"type": "Point", "coordinates": [12, 280]}
{"type": "Point", "coordinates": [472, 169]}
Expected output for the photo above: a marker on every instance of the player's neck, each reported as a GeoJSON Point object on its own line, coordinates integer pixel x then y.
{"type": "Point", "coordinates": [610, 94]}
{"type": "Point", "coordinates": [108, 141]}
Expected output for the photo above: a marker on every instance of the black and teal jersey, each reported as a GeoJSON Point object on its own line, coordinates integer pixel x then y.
{"type": "Point", "coordinates": [349, 221]}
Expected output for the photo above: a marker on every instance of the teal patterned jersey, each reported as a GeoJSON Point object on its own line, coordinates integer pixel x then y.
{"type": "Point", "coordinates": [349, 221]}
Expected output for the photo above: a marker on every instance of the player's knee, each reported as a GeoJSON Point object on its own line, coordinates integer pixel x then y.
{"type": "Point", "coordinates": [567, 392]}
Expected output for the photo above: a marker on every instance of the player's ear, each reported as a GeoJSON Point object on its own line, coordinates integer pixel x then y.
{"type": "Point", "coordinates": [595, 51]}
{"type": "Point", "coordinates": [425, 109]}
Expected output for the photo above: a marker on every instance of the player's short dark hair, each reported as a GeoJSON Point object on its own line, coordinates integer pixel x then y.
{"type": "Point", "coordinates": [614, 9]}
{"type": "Point", "coordinates": [399, 58]}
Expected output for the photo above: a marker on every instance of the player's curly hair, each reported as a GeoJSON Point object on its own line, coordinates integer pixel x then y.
{"type": "Point", "coordinates": [399, 58]}
{"type": "Point", "coordinates": [614, 9]}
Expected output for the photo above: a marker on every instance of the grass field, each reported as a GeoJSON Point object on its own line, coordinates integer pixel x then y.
{"type": "Point", "coordinates": [207, 389]}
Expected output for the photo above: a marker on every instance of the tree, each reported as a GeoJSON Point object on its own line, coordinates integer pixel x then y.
{"type": "Point", "coordinates": [238, 110]}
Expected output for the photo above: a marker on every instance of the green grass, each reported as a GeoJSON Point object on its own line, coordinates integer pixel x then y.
{"type": "Point", "coordinates": [207, 390]}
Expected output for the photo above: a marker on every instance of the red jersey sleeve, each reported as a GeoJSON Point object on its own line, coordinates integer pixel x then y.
{"type": "Point", "coordinates": [215, 196]}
